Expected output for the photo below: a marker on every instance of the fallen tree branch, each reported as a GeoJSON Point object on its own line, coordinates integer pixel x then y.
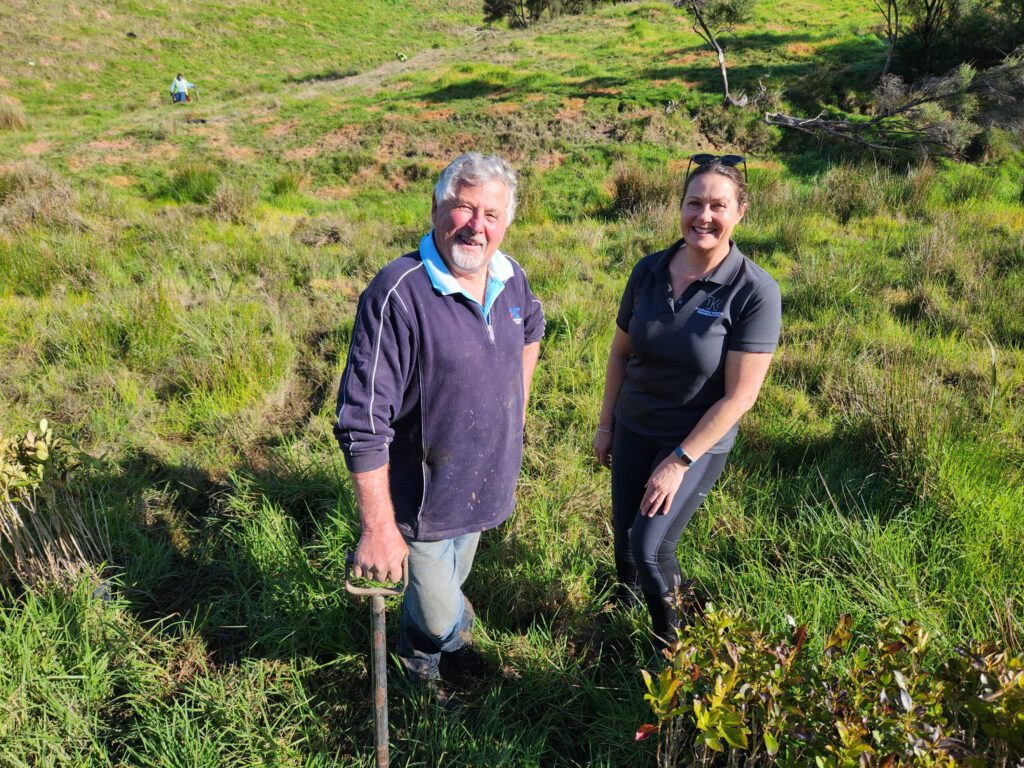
{"type": "Point", "coordinates": [910, 118]}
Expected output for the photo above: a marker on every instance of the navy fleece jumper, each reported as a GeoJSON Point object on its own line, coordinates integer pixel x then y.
{"type": "Point", "coordinates": [434, 388]}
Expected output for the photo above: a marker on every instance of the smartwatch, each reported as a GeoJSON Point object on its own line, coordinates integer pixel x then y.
{"type": "Point", "coordinates": [683, 456]}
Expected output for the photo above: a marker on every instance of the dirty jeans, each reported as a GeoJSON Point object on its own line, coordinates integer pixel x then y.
{"type": "Point", "coordinates": [435, 615]}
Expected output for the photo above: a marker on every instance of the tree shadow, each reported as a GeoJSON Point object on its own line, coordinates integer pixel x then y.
{"type": "Point", "coordinates": [470, 89]}
{"type": "Point", "coordinates": [327, 75]}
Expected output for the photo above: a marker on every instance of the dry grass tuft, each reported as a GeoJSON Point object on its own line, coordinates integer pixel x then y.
{"type": "Point", "coordinates": [323, 230]}
{"type": "Point", "coordinates": [32, 194]}
{"type": "Point", "coordinates": [12, 115]}
{"type": "Point", "coordinates": [47, 534]}
{"type": "Point", "coordinates": [234, 202]}
{"type": "Point", "coordinates": [639, 190]}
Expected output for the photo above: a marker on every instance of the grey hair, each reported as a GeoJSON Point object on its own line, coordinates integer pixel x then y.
{"type": "Point", "coordinates": [475, 169]}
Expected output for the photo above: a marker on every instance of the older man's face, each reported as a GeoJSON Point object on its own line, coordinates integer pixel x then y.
{"type": "Point", "coordinates": [469, 228]}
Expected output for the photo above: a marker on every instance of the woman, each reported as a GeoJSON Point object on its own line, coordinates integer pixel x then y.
{"type": "Point", "coordinates": [696, 330]}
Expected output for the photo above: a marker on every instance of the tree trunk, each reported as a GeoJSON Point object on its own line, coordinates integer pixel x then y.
{"type": "Point", "coordinates": [705, 34]}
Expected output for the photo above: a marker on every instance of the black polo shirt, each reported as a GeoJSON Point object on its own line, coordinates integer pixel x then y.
{"type": "Point", "coordinates": [677, 368]}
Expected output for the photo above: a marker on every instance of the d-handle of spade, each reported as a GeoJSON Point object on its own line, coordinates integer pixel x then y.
{"type": "Point", "coordinates": [379, 652]}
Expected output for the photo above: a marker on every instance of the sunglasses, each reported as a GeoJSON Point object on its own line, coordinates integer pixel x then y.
{"type": "Point", "coordinates": [703, 158]}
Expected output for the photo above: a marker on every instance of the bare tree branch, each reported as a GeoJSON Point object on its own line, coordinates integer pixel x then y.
{"type": "Point", "coordinates": [703, 31]}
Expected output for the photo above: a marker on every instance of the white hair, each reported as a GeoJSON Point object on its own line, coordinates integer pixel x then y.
{"type": "Point", "coordinates": [475, 169]}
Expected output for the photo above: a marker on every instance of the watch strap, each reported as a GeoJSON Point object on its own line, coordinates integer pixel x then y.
{"type": "Point", "coordinates": [683, 456]}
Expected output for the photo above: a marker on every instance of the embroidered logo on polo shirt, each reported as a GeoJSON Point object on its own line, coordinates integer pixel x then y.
{"type": "Point", "coordinates": [516, 314]}
{"type": "Point", "coordinates": [710, 308]}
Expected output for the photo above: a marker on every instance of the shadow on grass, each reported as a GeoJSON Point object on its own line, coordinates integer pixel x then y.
{"type": "Point", "coordinates": [195, 559]}
{"type": "Point", "coordinates": [322, 77]}
{"type": "Point", "coordinates": [470, 89]}
{"type": "Point", "coordinates": [192, 551]}
{"type": "Point", "coordinates": [844, 465]}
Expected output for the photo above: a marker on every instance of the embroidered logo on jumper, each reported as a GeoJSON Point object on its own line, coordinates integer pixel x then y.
{"type": "Point", "coordinates": [516, 314]}
{"type": "Point", "coordinates": [710, 308]}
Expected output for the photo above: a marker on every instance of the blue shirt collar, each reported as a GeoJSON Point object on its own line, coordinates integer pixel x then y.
{"type": "Point", "coordinates": [499, 270]}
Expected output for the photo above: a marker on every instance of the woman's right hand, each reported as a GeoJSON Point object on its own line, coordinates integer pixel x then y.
{"type": "Point", "coordinates": [603, 447]}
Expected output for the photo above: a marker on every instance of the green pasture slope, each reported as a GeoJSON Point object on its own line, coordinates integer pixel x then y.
{"type": "Point", "coordinates": [177, 288]}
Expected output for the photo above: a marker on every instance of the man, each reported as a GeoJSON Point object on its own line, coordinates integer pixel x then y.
{"type": "Point", "coordinates": [432, 403]}
{"type": "Point", "coordinates": [179, 89]}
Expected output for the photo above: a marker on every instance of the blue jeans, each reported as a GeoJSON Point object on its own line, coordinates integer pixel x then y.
{"type": "Point", "coordinates": [436, 618]}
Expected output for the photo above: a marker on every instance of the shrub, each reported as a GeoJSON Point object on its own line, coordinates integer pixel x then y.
{"type": "Point", "coordinates": [522, 13]}
{"type": "Point", "coordinates": [744, 129]}
{"type": "Point", "coordinates": [732, 693]}
{"type": "Point", "coordinates": [31, 193]}
{"type": "Point", "coordinates": [12, 116]}
{"type": "Point", "coordinates": [47, 535]}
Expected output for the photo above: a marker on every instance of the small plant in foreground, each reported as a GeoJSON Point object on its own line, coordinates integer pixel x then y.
{"type": "Point", "coordinates": [46, 534]}
{"type": "Point", "coordinates": [732, 694]}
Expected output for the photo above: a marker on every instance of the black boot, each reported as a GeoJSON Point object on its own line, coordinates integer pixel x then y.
{"type": "Point", "coordinates": [626, 593]}
{"type": "Point", "coordinates": [665, 618]}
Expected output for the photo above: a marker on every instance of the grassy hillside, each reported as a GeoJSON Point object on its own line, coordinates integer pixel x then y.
{"type": "Point", "coordinates": [177, 288]}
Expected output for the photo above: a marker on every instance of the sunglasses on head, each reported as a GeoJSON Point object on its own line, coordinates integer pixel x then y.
{"type": "Point", "coordinates": [703, 158]}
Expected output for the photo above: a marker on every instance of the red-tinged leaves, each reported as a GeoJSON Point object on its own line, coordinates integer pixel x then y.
{"type": "Point", "coordinates": [799, 639]}
{"type": "Point", "coordinates": [880, 704]}
{"type": "Point", "coordinates": [644, 731]}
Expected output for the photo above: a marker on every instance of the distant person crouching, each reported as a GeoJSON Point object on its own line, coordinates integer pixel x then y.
{"type": "Point", "coordinates": [179, 89]}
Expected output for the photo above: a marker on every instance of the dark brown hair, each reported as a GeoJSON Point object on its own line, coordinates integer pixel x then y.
{"type": "Point", "coordinates": [730, 172]}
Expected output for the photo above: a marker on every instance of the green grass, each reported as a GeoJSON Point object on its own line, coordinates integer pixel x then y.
{"type": "Point", "coordinates": [177, 289]}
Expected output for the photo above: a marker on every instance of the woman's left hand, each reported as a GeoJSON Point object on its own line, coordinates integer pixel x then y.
{"type": "Point", "coordinates": [662, 487]}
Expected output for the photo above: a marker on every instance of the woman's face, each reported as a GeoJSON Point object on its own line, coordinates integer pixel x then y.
{"type": "Point", "coordinates": [710, 212]}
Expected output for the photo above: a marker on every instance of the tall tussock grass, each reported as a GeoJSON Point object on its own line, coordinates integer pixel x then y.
{"type": "Point", "coordinates": [848, 191]}
{"type": "Point", "coordinates": [12, 114]}
{"type": "Point", "coordinates": [637, 189]}
{"type": "Point", "coordinates": [190, 183]}
{"type": "Point", "coordinates": [33, 194]}
{"type": "Point", "coordinates": [234, 202]}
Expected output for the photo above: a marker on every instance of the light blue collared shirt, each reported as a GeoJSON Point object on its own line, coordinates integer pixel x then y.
{"type": "Point", "coordinates": [498, 271]}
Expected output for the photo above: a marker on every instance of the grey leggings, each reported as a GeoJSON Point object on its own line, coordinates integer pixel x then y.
{"type": "Point", "coordinates": [645, 547]}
